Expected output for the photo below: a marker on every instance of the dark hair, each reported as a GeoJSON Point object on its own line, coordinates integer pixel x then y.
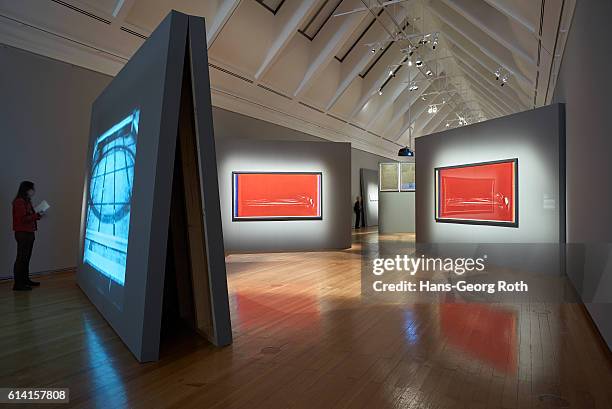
{"type": "Point", "coordinates": [23, 189]}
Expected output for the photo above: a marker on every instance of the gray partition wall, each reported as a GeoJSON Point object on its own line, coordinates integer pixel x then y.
{"type": "Point", "coordinates": [332, 159]}
{"type": "Point", "coordinates": [536, 138]}
{"type": "Point", "coordinates": [396, 212]}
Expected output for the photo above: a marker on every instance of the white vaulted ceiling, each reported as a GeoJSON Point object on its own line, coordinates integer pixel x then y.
{"type": "Point", "coordinates": [299, 64]}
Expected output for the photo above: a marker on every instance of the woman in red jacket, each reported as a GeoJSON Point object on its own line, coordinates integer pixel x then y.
{"type": "Point", "coordinates": [24, 225]}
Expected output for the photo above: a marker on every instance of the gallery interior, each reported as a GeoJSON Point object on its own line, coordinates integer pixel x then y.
{"type": "Point", "coordinates": [306, 204]}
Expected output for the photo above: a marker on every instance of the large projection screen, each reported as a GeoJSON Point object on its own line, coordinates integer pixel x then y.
{"type": "Point", "coordinates": [128, 188]}
{"type": "Point", "coordinates": [478, 193]}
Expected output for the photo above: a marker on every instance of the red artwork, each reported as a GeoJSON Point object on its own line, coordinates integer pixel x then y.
{"type": "Point", "coordinates": [276, 196]}
{"type": "Point", "coordinates": [480, 193]}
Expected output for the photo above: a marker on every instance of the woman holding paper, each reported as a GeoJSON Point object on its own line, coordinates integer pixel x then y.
{"type": "Point", "coordinates": [24, 225]}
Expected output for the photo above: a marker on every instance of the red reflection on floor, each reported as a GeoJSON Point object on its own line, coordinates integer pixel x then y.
{"type": "Point", "coordinates": [483, 332]}
{"type": "Point", "coordinates": [277, 195]}
{"type": "Point", "coordinates": [480, 192]}
{"type": "Point", "coordinates": [254, 309]}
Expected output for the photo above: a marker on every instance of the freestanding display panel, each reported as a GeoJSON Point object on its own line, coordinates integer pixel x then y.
{"type": "Point", "coordinates": [151, 213]}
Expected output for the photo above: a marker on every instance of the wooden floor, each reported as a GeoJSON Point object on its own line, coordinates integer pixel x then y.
{"type": "Point", "coordinates": [304, 338]}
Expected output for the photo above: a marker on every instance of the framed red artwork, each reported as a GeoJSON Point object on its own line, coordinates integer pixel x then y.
{"type": "Point", "coordinates": [478, 193]}
{"type": "Point", "coordinates": [276, 196]}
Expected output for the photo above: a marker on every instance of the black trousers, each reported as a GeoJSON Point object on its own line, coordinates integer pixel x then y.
{"type": "Point", "coordinates": [357, 219]}
{"type": "Point", "coordinates": [21, 270]}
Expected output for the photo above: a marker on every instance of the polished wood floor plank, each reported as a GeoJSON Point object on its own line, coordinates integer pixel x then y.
{"type": "Point", "coordinates": [304, 337]}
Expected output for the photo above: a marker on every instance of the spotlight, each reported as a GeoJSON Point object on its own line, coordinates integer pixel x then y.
{"type": "Point", "coordinates": [447, 125]}
{"type": "Point", "coordinates": [406, 151]}
{"type": "Point", "coordinates": [410, 63]}
{"type": "Point", "coordinates": [444, 101]}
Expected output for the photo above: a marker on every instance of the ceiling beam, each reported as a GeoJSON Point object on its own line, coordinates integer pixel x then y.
{"type": "Point", "coordinates": [514, 15]}
{"type": "Point", "coordinates": [442, 113]}
{"type": "Point", "coordinates": [482, 25]}
{"type": "Point", "coordinates": [476, 84]}
{"type": "Point", "coordinates": [398, 113]}
{"type": "Point", "coordinates": [437, 123]}
{"type": "Point", "coordinates": [512, 70]}
{"type": "Point", "coordinates": [473, 61]}
{"type": "Point", "coordinates": [507, 108]}
{"type": "Point", "coordinates": [399, 85]}
{"type": "Point", "coordinates": [327, 44]}
{"type": "Point", "coordinates": [225, 11]}
{"type": "Point", "coordinates": [439, 128]}
{"type": "Point", "coordinates": [286, 33]}
{"type": "Point", "coordinates": [121, 12]}
{"type": "Point", "coordinates": [360, 65]}
{"type": "Point", "coordinates": [416, 117]}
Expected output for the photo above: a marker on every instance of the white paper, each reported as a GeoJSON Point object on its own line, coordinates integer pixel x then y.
{"type": "Point", "coordinates": [42, 207]}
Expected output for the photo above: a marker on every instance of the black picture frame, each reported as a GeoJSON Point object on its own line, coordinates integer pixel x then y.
{"type": "Point", "coordinates": [514, 224]}
{"type": "Point", "coordinates": [274, 219]}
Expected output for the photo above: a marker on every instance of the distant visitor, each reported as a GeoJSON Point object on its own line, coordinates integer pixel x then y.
{"type": "Point", "coordinates": [25, 220]}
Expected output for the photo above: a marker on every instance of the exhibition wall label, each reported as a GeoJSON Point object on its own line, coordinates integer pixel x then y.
{"type": "Point", "coordinates": [276, 196]}
{"type": "Point", "coordinates": [478, 193]}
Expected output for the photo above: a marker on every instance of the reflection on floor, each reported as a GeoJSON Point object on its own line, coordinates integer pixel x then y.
{"type": "Point", "coordinates": [304, 338]}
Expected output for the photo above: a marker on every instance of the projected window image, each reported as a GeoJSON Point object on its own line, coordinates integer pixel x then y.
{"type": "Point", "coordinates": [109, 201]}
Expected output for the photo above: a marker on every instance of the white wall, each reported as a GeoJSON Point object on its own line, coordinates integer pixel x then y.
{"type": "Point", "coordinates": [44, 111]}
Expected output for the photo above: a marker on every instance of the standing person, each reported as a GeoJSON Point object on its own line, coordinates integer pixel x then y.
{"type": "Point", "coordinates": [24, 226]}
{"type": "Point", "coordinates": [358, 209]}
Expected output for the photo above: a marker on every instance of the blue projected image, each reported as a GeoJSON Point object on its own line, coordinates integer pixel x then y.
{"type": "Point", "coordinates": [110, 195]}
